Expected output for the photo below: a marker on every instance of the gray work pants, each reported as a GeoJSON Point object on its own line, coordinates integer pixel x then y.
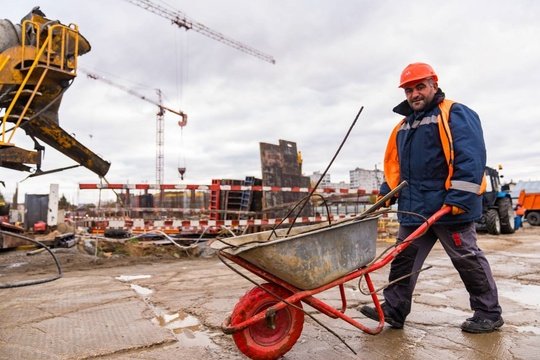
{"type": "Point", "coordinates": [459, 242]}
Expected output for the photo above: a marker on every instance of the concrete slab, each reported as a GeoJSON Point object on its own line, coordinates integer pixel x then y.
{"type": "Point", "coordinates": [173, 310]}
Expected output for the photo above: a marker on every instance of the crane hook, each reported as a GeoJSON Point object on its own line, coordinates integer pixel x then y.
{"type": "Point", "coordinates": [183, 122]}
{"type": "Point", "coordinates": [182, 171]}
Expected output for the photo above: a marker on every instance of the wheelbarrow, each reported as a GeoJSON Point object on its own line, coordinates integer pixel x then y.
{"type": "Point", "coordinates": [268, 320]}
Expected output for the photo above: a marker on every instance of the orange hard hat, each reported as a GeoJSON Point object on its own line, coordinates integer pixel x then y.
{"type": "Point", "coordinates": [416, 71]}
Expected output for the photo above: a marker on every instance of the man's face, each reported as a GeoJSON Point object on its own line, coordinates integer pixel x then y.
{"type": "Point", "coordinates": [420, 93]}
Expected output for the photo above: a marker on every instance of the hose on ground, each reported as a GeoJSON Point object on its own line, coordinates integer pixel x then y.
{"type": "Point", "coordinates": [36, 281]}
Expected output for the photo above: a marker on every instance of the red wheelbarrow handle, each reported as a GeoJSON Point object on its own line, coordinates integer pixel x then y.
{"type": "Point", "coordinates": [382, 201]}
{"type": "Point", "coordinates": [446, 209]}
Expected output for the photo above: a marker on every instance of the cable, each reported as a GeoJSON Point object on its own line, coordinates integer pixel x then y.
{"type": "Point", "coordinates": [273, 231]}
{"type": "Point", "coordinates": [304, 200]}
{"type": "Point", "coordinates": [182, 166]}
{"type": "Point", "coordinates": [183, 247]}
{"type": "Point", "coordinates": [368, 293]}
{"type": "Point", "coordinates": [388, 211]}
{"type": "Point", "coordinates": [37, 281]}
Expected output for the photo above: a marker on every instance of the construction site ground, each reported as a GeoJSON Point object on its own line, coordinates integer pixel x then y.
{"type": "Point", "coordinates": [160, 302]}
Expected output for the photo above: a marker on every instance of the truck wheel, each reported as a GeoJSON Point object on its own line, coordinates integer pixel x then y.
{"type": "Point", "coordinates": [506, 215]}
{"type": "Point", "coordinates": [493, 223]}
{"type": "Point", "coordinates": [533, 218]}
{"type": "Point", "coordinates": [263, 340]}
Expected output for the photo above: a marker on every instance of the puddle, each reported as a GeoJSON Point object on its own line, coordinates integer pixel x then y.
{"type": "Point", "coordinates": [524, 294]}
{"type": "Point", "coordinates": [126, 278]}
{"type": "Point", "coordinates": [177, 321]}
{"type": "Point", "coordinates": [186, 328]}
{"type": "Point", "coordinates": [528, 329]}
{"type": "Point", "coordinates": [142, 291]}
{"type": "Point", "coordinates": [191, 338]}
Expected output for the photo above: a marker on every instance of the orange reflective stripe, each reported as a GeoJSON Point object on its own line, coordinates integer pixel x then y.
{"type": "Point", "coordinates": [448, 145]}
{"type": "Point", "coordinates": [446, 138]}
{"type": "Point", "coordinates": [391, 159]}
{"type": "Point", "coordinates": [483, 185]}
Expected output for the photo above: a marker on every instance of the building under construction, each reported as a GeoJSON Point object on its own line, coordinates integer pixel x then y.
{"type": "Point", "coordinates": [282, 167]}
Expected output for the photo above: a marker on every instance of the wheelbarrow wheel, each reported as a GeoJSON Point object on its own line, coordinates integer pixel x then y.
{"type": "Point", "coordinates": [262, 341]}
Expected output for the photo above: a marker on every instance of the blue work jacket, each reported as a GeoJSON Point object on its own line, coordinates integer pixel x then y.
{"type": "Point", "coordinates": [422, 163]}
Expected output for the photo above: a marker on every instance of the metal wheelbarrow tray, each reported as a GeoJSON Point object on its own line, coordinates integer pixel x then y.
{"type": "Point", "coordinates": [315, 255]}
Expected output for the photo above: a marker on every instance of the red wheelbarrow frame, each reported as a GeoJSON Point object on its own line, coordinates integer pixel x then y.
{"type": "Point", "coordinates": [307, 297]}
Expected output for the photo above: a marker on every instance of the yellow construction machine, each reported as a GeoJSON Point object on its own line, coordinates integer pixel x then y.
{"type": "Point", "coordinates": [38, 63]}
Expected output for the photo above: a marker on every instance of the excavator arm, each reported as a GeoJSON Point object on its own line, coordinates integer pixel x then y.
{"type": "Point", "coordinates": [56, 137]}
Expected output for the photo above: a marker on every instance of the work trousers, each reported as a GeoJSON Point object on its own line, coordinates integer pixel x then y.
{"type": "Point", "coordinates": [459, 242]}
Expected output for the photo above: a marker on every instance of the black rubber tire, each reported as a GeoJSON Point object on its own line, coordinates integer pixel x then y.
{"type": "Point", "coordinates": [493, 223]}
{"type": "Point", "coordinates": [506, 215]}
{"type": "Point", "coordinates": [116, 233]}
{"type": "Point", "coordinates": [533, 218]}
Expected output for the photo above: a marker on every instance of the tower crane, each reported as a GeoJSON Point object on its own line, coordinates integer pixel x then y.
{"type": "Point", "coordinates": [159, 119]}
{"type": "Point", "coordinates": [181, 20]}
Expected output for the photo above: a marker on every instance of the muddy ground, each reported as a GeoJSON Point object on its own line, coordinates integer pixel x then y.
{"type": "Point", "coordinates": [149, 301]}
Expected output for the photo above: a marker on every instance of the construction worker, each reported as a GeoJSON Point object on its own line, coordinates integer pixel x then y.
{"type": "Point", "coordinates": [438, 148]}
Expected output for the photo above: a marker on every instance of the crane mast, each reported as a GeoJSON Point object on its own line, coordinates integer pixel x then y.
{"type": "Point", "coordinates": [160, 140]}
{"type": "Point", "coordinates": [181, 20]}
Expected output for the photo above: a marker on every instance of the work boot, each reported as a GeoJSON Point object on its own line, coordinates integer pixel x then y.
{"type": "Point", "coordinates": [371, 313]}
{"type": "Point", "coordinates": [477, 325]}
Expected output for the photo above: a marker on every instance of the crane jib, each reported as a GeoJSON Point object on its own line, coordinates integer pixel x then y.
{"type": "Point", "coordinates": [181, 20]}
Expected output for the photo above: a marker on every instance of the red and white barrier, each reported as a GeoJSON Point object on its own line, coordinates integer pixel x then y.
{"type": "Point", "coordinates": [99, 225]}
{"type": "Point", "coordinates": [216, 187]}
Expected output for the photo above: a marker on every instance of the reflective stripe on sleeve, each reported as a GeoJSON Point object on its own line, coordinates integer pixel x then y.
{"type": "Point", "coordinates": [465, 186]}
{"type": "Point", "coordinates": [433, 119]}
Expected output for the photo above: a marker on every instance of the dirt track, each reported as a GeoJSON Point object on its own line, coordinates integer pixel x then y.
{"type": "Point", "coordinates": [164, 307]}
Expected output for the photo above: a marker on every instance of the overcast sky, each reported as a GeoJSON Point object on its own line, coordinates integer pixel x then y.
{"type": "Point", "coordinates": [332, 57]}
